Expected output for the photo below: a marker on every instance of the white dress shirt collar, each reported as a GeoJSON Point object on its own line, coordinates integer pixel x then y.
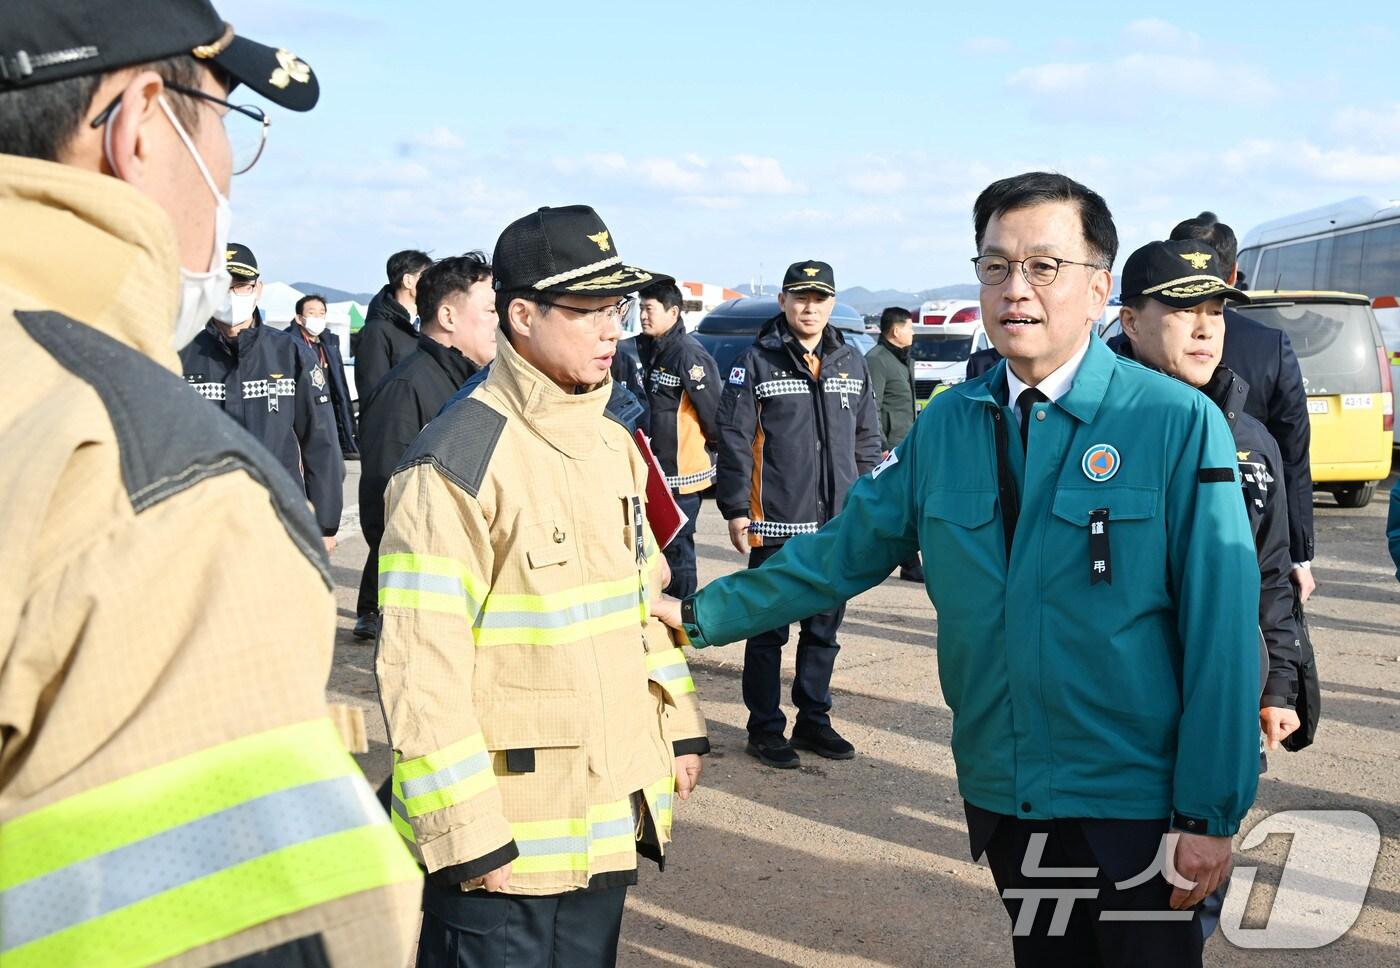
{"type": "Point", "coordinates": [1054, 386]}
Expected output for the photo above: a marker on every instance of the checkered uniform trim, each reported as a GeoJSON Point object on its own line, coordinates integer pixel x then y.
{"type": "Point", "coordinates": [835, 385]}
{"type": "Point", "coordinates": [211, 391]}
{"type": "Point", "coordinates": [258, 389]}
{"type": "Point", "coordinates": [688, 479]}
{"type": "Point", "coordinates": [779, 388]}
{"type": "Point", "coordinates": [781, 529]}
{"type": "Point", "coordinates": [662, 378]}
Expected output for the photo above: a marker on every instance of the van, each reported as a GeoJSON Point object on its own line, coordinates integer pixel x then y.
{"type": "Point", "coordinates": [1346, 373]}
{"type": "Point", "coordinates": [940, 355]}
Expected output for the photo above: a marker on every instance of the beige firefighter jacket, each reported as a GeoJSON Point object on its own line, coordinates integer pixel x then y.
{"type": "Point", "coordinates": [171, 788]}
{"type": "Point", "coordinates": [534, 706]}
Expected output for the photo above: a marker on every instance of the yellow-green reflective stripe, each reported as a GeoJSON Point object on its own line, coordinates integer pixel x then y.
{"type": "Point", "coordinates": [227, 902]}
{"type": "Point", "coordinates": [433, 762]}
{"type": "Point", "coordinates": [548, 846]}
{"type": "Point", "coordinates": [494, 617]}
{"type": "Point", "coordinates": [475, 587]}
{"type": "Point", "coordinates": [459, 792]}
{"type": "Point", "coordinates": [110, 816]}
{"type": "Point", "coordinates": [398, 813]}
{"type": "Point", "coordinates": [555, 601]}
{"type": "Point", "coordinates": [632, 616]}
{"type": "Point", "coordinates": [442, 779]}
{"type": "Point", "coordinates": [670, 669]}
{"type": "Point", "coordinates": [423, 601]}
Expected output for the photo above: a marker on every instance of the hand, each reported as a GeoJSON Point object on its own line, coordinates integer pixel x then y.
{"type": "Point", "coordinates": [495, 881]}
{"type": "Point", "coordinates": [688, 770]}
{"type": "Point", "coordinates": [1277, 723]}
{"type": "Point", "coordinates": [739, 534]}
{"type": "Point", "coordinates": [884, 456]}
{"type": "Point", "coordinates": [668, 610]}
{"type": "Point", "coordinates": [330, 543]}
{"type": "Point", "coordinates": [1304, 581]}
{"type": "Point", "coordinates": [1203, 860]}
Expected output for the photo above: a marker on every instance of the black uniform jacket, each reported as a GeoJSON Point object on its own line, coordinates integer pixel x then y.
{"type": "Point", "coordinates": [791, 442]}
{"type": "Point", "coordinates": [410, 395]}
{"type": "Point", "coordinates": [1265, 500]}
{"type": "Point", "coordinates": [272, 384]}
{"type": "Point", "coordinates": [334, 365]}
{"type": "Point", "coordinates": [386, 340]}
{"type": "Point", "coordinates": [684, 389]}
{"type": "Point", "coordinates": [1263, 357]}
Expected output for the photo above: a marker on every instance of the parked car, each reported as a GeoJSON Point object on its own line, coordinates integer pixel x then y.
{"type": "Point", "coordinates": [1351, 404]}
{"type": "Point", "coordinates": [940, 355]}
{"type": "Point", "coordinates": [731, 327]}
{"type": "Point", "coordinates": [936, 312]}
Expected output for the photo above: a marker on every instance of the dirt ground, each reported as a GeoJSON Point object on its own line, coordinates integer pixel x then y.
{"type": "Point", "coordinates": [865, 863]}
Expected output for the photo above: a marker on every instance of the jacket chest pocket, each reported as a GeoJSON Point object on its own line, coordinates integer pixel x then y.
{"type": "Point", "coordinates": [962, 543]}
{"type": "Point", "coordinates": [1106, 534]}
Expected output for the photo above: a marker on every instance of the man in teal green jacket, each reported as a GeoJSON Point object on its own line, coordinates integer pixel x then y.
{"type": "Point", "coordinates": [1085, 545]}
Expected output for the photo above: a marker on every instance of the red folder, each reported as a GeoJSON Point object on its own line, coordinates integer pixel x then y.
{"type": "Point", "coordinates": [664, 515]}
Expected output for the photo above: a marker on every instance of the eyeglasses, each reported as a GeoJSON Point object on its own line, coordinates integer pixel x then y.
{"type": "Point", "coordinates": [610, 314]}
{"type": "Point", "coordinates": [1038, 270]}
{"type": "Point", "coordinates": [245, 125]}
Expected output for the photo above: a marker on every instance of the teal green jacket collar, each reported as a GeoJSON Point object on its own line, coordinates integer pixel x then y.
{"type": "Point", "coordinates": [1085, 394]}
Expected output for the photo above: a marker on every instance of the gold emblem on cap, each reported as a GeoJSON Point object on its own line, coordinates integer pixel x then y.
{"type": "Point", "coordinates": [811, 272]}
{"type": "Point", "coordinates": [210, 51]}
{"type": "Point", "coordinates": [1198, 260]}
{"type": "Point", "coordinates": [1242, 454]}
{"type": "Point", "coordinates": [229, 254]}
{"type": "Point", "coordinates": [291, 69]}
{"type": "Point", "coordinates": [601, 240]}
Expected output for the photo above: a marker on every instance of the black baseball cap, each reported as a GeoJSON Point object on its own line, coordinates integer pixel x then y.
{"type": "Point", "coordinates": [1181, 274]}
{"type": "Point", "coordinates": [52, 40]}
{"type": "Point", "coordinates": [241, 262]}
{"type": "Point", "coordinates": [564, 250]}
{"type": "Point", "coordinates": [811, 275]}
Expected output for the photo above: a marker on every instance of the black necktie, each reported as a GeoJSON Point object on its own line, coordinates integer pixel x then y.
{"type": "Point", "coordinates": [1029, 397]}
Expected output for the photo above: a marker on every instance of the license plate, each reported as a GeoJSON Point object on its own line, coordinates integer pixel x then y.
{"type": "Point", "coordinates": [1317, 406]}
{"type": "Point", "coordinates": [1356, 401]}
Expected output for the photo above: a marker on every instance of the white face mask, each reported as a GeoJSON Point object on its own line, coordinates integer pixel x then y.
{"type": "Point", "coordinates": [236, 309]}
{"type": "Point", "coordinates": [315, 325]}
{"type": "Point", "coordinates": [201, 293]}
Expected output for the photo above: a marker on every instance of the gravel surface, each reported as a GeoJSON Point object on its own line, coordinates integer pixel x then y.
{"type": "Point", "coordinates": [865, 862]}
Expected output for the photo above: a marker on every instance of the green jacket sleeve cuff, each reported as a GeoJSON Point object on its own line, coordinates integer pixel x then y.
{"type": "Point", "coordinates": [690, 626]}
{"type": "Point", "coordinates": [1203, 826]}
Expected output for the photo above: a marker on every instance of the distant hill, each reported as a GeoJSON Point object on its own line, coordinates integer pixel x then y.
{"type": "Point", "coordinates": [865, 301]}
{"type": "Point", "coordinates": [332, 294]}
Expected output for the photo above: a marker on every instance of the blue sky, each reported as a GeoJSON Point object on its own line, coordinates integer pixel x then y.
{"type": "Point", "coordinates": [718, 140]}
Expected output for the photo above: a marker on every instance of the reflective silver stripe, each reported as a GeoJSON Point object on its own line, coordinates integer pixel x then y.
{"type": "Point", "coordinates": [688, 479]}
{"type": "Point", "coordinates": [779, 529]}
{"type": "Point", "coordinates": [778, 388]}
{"type": "Point", "coordinates": [620, 827]}
{"type": "Point", "coordinates": [448, 775]}
{"type": "Point", "coordinates": [843, 386]}
{"type": "Point", "coordinates": [172, 858]}
{"type": "Point", "coordinates": [666, 673]}
{"type": "Point", "coordinates": [552, 845]}
{"type": "Point", "coordinates": [664, 801]}
{"type": "Point", "coordinates": [211, 391]}
{"type": "Point", "coordinates": [665, 379]}
{"type": "Point", "coordinates": [417, 581]}
{"type": "Point", "coordinates": [562, 617]}
{"type": "Point", "coordinates": [398, 807]}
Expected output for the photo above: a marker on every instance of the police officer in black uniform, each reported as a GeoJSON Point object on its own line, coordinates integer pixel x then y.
{"type": "Point", "coordinates": [797, 425]}
{"type": "Point", "coordinates": [274, 386]}
{"type": "Point", "coordinates": [683, 389]}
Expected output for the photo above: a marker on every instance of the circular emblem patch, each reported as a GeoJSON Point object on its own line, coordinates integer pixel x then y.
{"type": "Point", "coordinates": [1100, 462]}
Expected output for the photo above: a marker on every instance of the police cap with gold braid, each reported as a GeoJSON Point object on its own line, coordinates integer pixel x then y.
{"type": "Point", "coordinates": [241, 262]}
{"type": "Point", "coordinates": [42, 41]}
{"type": "Point", "coordinates": [810, 275]}
{"type": "Point", "coordinates": [1181, 274]}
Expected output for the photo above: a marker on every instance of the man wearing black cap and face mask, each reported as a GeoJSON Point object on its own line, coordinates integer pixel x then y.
{"type": "Point", "coordinates": [537, 747]}
{"type": "Point", "coordinates": [167, 764]}
{"type": "Point", "coordinates": [797, 425]}
{"type": "Point", "coordinates": [272, 384]}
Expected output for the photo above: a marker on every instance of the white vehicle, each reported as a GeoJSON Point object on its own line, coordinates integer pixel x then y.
{"type": "Point", "coordinates": [940, 355]}
{"type": "Point", "coordinates": [1350, 247]}
{"type": "Point", "coordinates": [941, 312]}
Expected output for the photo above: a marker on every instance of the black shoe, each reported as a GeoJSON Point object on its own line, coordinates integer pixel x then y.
{"type": "Point", "coordinates": [913, 573]}
{"type": "Point", "coordinates": [822, 740]}
{"type": "Point", "coordinates": [773, 749]}
{"type": "Point", "coordinates": [367, 626]}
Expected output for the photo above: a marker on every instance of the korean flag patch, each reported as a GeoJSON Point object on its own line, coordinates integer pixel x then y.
{"type": "Point", "coordinates": [736, 376]}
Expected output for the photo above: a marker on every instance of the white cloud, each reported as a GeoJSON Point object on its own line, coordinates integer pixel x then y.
{"type": "Point", "coordinates": [752, 175]}
{"type": "Point", "coordinates": [671, 174]}
{"type": "Point", "coordinates": [439, 138]}
{"type": "Point", "coordinates": [1156, 33]}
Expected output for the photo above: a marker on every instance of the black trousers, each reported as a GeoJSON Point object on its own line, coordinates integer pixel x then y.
{"type": "Point", "coordinates": [1112, 929]}
{"type": "Point", "coordinates": [816, 657]}
{"type": "Point", "coordinates": [368, 600]}
{"type": "Point", "coordinates": [680, 553]}
{"type": "Point", "coordinates": [479, 930]}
